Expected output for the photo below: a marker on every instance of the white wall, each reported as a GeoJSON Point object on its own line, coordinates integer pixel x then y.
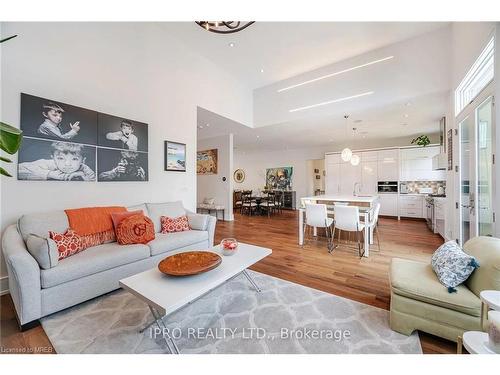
{"type": "Point", "coordinates": [212, 186]}
{"type": "Point", "coordinates": [133, 70]}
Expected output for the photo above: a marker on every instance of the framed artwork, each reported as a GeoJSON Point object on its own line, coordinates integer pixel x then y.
{"type": "Point", "coordinates": [318, 177]}
{"type": "Point", "coordinates": [279, 178]}
{"type": "Point", "coordinates": [50, 160]}
{"type": "Point", "coordinates": [121, 165]}
{"type": "Point", "coordinates": [239, 176]}
{"type": "Point", "coordinates": [175, 156]}
{"type": "Point", "coordinates": [69, 143]}
{"type": "Point", "coordinates": [449, 149]}
{"type": "Point", "coordinates": [316, 170]}
{"type": "Point", "coordinates": [206, 162]}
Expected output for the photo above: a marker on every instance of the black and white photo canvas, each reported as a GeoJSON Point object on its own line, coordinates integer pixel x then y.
{"type": "Point", "coordinates": [121, 165]}
{"type": "Point", "coordinates": [122, 133]}
{"type": "Point", "coordinates": [48, 160]}
{"type": "Point", "coordinates": [50, 119]}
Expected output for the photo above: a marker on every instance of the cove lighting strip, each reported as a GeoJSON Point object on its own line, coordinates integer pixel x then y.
{"type": "Point", "coordinates": [331, 102]}
{"type": "Point", "coordinates": [336, 73]}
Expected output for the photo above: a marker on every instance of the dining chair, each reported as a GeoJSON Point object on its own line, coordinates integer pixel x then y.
{"type": "Point", "coordinates": [347, 219]}
{"type": "Point", "coordinates": [248, 204]}
{"type": "Point", "coordinates": [267, 203]}
{"type": "Point", "coordinates": [317, 217]}
{"type": "Point", "coordinates": [374, 223]}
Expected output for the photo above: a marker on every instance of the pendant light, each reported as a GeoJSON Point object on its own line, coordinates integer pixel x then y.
{"type": "Point", "coordinates": [355, 160]}
{"type": "Point", "coordinates": [346, 152]}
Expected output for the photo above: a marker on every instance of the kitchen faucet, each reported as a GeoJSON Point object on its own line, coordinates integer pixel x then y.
{"type": "Point", "coordinates": [354, 189]}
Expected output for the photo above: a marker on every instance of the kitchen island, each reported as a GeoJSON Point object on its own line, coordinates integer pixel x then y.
{"type": "Point", "coordinates": [366, 206]}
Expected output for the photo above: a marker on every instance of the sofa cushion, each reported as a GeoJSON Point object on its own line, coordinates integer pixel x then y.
{"type": "Point", "coordinates": [93, 260]}
{"type": "Point", "coordinates": [197, 221]}
{"type": "Point", "coordinates": [487, 252]}
{"type": "Point", "coordinates": [451, 265]}
{"type": "Point", "coordinates": [141, 206]}
{"type": "Point", "coordinates": [44, 250]}
{"type": "Point", "coordinates": [41, 223]}
{"type": "Point", "coordinates": [172, 241]}
{"type": "Point", "coordinates": [417, 280]}
{"type": "Point", "coordinates": [170, 209]}
{"type": "Point", "coordinates": [174, 224]}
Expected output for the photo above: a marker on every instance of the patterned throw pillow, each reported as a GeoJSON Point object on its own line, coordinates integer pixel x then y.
{"type": "Point", "coordinates": [118, 217]}
{"type": "Point", "coordinates": [68, 243]}
{"type": "Point", "coordinates": [135, 229]}
{"type": "Point", "coordinates": [178, 224]}
{"type": "Point", "coordinates": [452, 265]}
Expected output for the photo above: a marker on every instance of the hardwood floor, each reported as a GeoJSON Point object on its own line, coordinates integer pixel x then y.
{"type": "Point", "coordinates": [342, 273]}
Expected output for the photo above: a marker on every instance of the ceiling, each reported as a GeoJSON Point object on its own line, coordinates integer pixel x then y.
{"type": "Point", "coordinates": [286, 49]}
{"type": "Point", "coordinates": [410, 91]}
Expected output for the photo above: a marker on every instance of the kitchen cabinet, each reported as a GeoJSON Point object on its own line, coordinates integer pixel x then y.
{"type": "Point", "coordinates": [416, 164]}
{"type": "Point", "coordinates": [411, 206]}
{"type": "Point", "coordinates": [332, 178]}
{"type": "Point", "coordinates": [388, 204]}
{"type": "Point", "coordinates": [369, 177]}
{"type": "Point", "coordinates": [349, 175]}
{"type": "Point", "coordinates": [440, 216]}
{"type": "Point", "coordinates": [388, 165]}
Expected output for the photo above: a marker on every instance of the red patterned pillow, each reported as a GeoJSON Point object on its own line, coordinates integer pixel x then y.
{"type": "Point", "coordinates": [68, 243]}
{"type": "Point", "coordinates": [170, 225]}
{"type": "Point", "coordinates": [135, 229]}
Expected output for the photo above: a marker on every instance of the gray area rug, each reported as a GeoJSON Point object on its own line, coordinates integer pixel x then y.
{"type": "Point", "coordinates": [234, 318]}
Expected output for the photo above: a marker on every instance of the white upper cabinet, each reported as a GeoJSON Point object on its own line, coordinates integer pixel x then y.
{"type": "Point", "coordinates": [369, 177]}
{"type": "Point", "coordinates": [388, 165]}
{"type": "Point", "coordinates": [332, 159]}
{"type": "Point", "coordinates": [416, 164]}
{"type": "Point", "coordinates": [332, 179]}
{"type": "Point", "coordinates": [350, 175]}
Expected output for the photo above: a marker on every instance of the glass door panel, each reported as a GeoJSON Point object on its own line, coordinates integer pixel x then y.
{"type": "Point", "coordinates": [466, 129]}
{"type": "Point", "coordinates": [485, 168]}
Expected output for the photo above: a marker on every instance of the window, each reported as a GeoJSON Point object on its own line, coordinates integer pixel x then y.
{"type": "Point", "coordinates": [477, 78]}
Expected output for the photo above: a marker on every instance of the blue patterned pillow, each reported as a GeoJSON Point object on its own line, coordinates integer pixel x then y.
{"type": "Point", "coordinates": [452, 266]}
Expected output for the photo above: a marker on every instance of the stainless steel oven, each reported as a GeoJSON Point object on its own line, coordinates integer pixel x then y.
{"type": "Point", "coordinates": [387, 186]}
{"type": "Point", "coordinates": [429, 204]}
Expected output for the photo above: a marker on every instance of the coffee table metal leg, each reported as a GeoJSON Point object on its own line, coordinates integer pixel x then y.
{"type": "Point", "coordinates": [161, 325]}
{"type": "Point", "coordinates": [251, 280]}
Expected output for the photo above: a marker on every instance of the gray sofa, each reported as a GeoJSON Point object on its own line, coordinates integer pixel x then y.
{"type": "Point", "coordinates": [40, 285]}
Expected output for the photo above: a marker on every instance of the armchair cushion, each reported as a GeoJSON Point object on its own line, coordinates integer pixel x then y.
{"type": "Point", "coordinates": [417, 280]}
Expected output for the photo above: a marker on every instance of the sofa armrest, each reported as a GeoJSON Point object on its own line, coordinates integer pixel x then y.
{"type": "Point", "coordinates": [210, 226]}
{"type": "Point", "coordinates": [24, 276]}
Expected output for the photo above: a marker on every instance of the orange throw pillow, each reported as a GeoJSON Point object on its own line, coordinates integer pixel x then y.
{"type": "Point", "coordinates": [170, 225]}
{"type": "Point", "coordinates": [135, 229]}
{"type": "Point", "coordinates": [117, 217]}
{"type": "Point", "coordinates": [68, 243]}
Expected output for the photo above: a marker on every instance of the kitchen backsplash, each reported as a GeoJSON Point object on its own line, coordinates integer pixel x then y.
{"type": "Point", "coordinates": [414, 186]}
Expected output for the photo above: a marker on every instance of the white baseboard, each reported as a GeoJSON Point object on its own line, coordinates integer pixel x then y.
{"type": "Point", "coordinates": [4, 285]}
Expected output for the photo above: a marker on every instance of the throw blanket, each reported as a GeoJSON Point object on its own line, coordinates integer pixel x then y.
{"type": "Point", "coordinates": [93, 224]}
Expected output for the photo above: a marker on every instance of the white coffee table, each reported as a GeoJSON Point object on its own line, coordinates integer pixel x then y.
{"type": "Point", "coordinates": [166, 294]}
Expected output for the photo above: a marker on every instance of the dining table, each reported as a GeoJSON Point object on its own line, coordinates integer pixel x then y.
{"type": "Point", "coordinates": [365, 203]}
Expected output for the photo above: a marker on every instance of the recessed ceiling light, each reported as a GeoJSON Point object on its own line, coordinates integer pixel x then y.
{"type": "Point", "coordinates": [408, 104]}
{"type": "Point", "coordinates": [231, 44]}
{"type": "Point", "coordinates": [262, 70]}
{"type": "Point", "coordinates": [207, 125]}
{"type": "Point", "coordinates": [406, 115]}
{"type": "Point", "coordinates": [200, 126]}
{"type": "Point", "coordinates": [335, 74]}
{"type": "Point", "coordinates": [258, 136]}
{"type": "Point", "coordinates": [331, 101]}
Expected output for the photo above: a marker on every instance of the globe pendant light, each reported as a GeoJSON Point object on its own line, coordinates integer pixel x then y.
{"type": "Point", "coordinates": [346, 154]}
{"type": "Point", "coordinates": [355, 160]}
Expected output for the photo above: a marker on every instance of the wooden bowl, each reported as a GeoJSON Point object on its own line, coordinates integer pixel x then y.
{"type": "Point", "coordinates": [189, 263]}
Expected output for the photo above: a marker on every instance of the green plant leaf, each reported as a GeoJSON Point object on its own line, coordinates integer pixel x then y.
{"type": "Point", "coordinates": [3, 172]}
{"type": "Point", "coordinates": [10, 138]}
{"type": "Point", "coordinates": [5, 159]}
{"type": "Point", "coordinates": [6, 39]}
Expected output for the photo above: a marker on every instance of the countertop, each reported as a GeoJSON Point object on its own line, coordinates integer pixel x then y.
{"type": "Point", "coordinates": [343, 198]}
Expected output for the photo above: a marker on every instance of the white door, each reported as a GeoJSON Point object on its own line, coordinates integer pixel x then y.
{"type": "Point", "coordinates": [476, 171]}
{"type": "Point", "coordinates": [369, 177]}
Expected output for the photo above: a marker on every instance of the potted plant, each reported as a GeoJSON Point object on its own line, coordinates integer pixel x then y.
{"type": "Point", "coordinates": [421, 140]}
{"type": "Point", "coordinates": [10, 137]}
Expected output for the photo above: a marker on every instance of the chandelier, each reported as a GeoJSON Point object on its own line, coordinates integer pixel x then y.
{"type": "Point", "coordinates": [224, 27]}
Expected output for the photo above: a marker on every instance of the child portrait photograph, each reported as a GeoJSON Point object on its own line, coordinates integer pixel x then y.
{"type": "Point", "coordinates": [50, 119]}
{"type": "Point", "coordinates": [122, 133]}
{"type": "Point", "coordinates": [45, 160]}
{"type": "Point", "coordinates": [122, 165]}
